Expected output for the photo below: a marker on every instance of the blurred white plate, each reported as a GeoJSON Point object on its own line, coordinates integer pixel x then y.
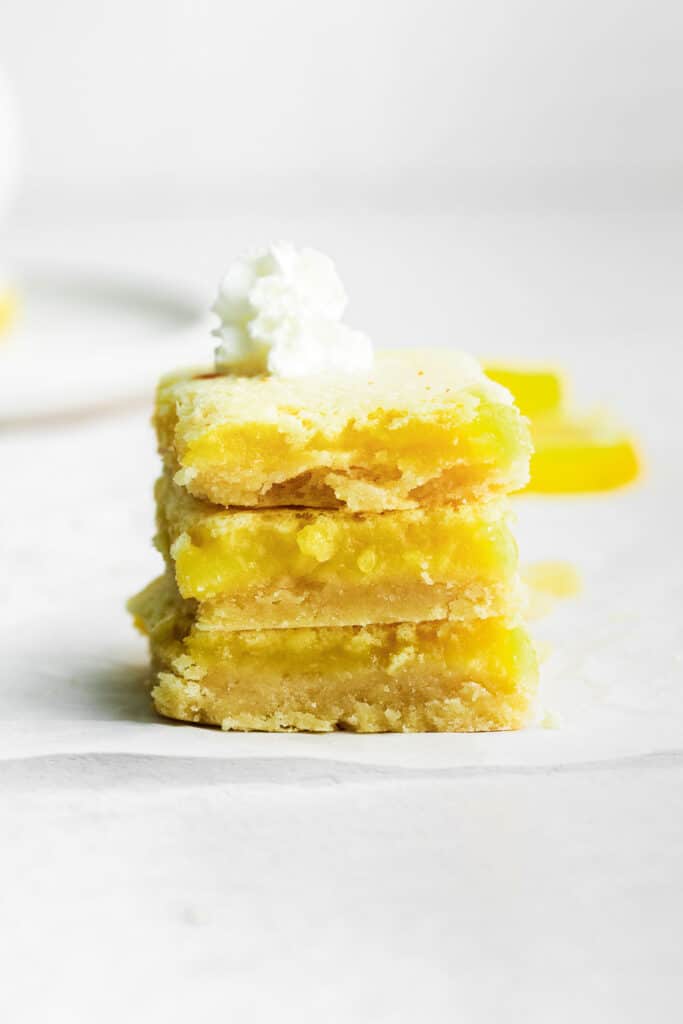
{"type": "Point", "coordinates": [85, 343]}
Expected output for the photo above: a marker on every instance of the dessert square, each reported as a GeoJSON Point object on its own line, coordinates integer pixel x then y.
{"type": "Point", "coordinates": [402, 677]}
{"type": "Point", "coordinates": [421, 428]}
{"type": "Point", "coordinates": [287, 567]}
{"type": "Point", "coordinates": [334, 523]}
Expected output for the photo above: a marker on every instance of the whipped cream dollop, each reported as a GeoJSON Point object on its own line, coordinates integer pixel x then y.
{"type": "Point", "coordinates": [280, 311]}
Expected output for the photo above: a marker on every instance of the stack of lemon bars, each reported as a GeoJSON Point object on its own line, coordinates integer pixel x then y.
{"type": "Point", "coordinates": [338, 551]}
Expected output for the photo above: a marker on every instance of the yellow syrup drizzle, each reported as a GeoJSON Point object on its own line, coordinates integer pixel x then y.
{"type": "Point", "coordinates": [573, 453]}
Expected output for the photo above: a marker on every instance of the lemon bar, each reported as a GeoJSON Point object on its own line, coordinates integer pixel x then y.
{"type": "Point", "coordinates": [286, 567]}
{"type": "Point", "coordinates": [479, 675]}
{"type": "Point", "coordinates": [421, 428]}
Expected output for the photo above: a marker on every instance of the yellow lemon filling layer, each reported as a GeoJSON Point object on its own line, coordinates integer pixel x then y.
{"type": "Point", "coordinates": [293, 567]}
{"type": "Point", "coordinates": [425, 428]}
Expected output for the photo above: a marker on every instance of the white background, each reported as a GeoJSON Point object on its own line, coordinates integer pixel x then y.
{"type": "Point", "coordinates": [503, 176]}
{"type": "Point", "coordinates": [157, 104]}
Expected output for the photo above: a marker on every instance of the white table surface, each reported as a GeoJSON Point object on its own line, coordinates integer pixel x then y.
{"type": "Point", "coordinates": [153, 872]}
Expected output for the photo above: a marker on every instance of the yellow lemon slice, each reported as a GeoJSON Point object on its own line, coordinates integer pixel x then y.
{"type": "Point", "coordinates": [536, 390]}
{"type": "Point", "coordinates": [574, 453]}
